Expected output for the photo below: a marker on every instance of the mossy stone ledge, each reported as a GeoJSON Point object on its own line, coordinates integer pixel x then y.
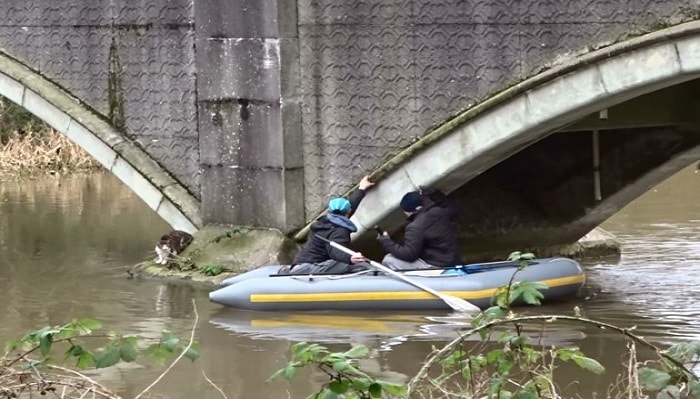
{"type": "Point", "coordinates": [219, 252]}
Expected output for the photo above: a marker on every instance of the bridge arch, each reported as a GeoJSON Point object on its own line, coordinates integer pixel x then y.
{"type": "Point", "coordinates": [492, 131]}
{"type": "Point", "coordinates": [121, 156]}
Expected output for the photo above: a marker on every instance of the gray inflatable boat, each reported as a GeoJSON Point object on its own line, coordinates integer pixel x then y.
{"type": "Point", "coordinates": [263, 289]}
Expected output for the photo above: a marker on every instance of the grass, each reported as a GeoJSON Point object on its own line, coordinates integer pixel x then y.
{"type": "Point", "coordinates": [32, 155]}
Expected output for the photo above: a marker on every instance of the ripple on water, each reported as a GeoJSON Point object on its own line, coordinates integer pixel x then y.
{"type": "Point", "coordinates": [656, 280]}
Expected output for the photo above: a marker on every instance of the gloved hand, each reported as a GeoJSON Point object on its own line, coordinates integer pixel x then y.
{"type": "Point", "coordinates": [380, 232]}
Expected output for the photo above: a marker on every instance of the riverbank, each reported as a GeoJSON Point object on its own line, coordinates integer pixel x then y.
{"type": "Point", "coordinates": [220, 252]}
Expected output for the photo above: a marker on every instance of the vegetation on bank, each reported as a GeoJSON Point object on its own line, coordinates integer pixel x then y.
{"type": "Point", "coordinates": [34, 365]}
{"type": "Point", "coordinates": [30, 148]}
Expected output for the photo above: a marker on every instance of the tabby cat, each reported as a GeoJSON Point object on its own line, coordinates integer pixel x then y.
{"type": "Point", "coordinates": [171, 244]}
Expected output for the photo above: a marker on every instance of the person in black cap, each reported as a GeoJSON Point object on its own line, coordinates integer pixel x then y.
{"type": "Point", "coordinates": [431, 234]}
{"type": "Point", "coordinates": [318, 256]}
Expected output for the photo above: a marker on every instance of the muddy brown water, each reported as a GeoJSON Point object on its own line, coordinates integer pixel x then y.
{"type": "Point", "coordinates": [66, 244]}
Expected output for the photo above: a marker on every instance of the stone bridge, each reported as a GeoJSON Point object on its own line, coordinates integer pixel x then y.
{"type": "Point", "coordinates": [543, 120]}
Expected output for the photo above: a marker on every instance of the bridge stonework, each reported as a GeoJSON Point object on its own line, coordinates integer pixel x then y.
{"type": "Point", "coordinates": [261, 110]}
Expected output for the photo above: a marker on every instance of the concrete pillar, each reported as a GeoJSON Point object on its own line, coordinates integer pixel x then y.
{"type": "Point", "coordinates": [247, 56]}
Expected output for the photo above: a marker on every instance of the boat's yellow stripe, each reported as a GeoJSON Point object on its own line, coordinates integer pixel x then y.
{"type": "Point", "coordinates": [337, 322]}
{"type": "Point", "coordinates": [396, 295]}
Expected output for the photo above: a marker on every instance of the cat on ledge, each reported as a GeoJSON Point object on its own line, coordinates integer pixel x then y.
{"type": "Point", "coordinates": [171, 244]}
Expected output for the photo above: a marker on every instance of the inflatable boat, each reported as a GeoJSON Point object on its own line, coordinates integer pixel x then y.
{"type": "Point", "coordinates": [264, 289]}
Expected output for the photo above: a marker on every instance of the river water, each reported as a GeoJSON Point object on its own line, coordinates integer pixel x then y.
{"type": "Point", "coordinates": [66, 244]}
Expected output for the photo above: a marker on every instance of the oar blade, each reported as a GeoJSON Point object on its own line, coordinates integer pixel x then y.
{"type": "Point", "coordinates": [460, 304]}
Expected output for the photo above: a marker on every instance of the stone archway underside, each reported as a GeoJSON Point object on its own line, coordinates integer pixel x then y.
{"type": "Point", "coordinates": [491, 132]}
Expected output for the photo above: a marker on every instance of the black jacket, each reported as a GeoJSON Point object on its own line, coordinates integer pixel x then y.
{"type": "Point", "coordinates": [332, 227]}
{"type": "Point", "coordinates": [431, 234]}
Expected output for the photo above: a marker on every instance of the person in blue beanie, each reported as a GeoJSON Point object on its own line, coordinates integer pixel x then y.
{"type": "Point", "coordinates": [431, 234]}
{"type": "Point", "coordinates": [318, 256]}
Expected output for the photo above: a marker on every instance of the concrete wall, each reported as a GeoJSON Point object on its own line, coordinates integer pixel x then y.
{"type": "Point", "coordinates": [249, 113]}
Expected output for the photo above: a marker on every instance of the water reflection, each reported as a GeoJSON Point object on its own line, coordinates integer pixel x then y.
{"type": "Point", "coordinates": [66, 245]}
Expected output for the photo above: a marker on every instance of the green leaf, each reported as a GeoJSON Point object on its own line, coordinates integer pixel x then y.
{"type": "Point", "coordinates": [488, 315]}
{"type": "Point", "coordinates": [357, 351]}
{"type": "Point", "coordinates": [339, 387]}
{"type": "Point", "coordinates": [334, 357]}
{"type": "Point", "coordinates": [375, 390]}
{"type": "Point", "coordinates": [341, 366]}
{"type": "Point", "coordinates": [75, 350]}
{"type": "Point", "coordinates": [532, 298]}
{"type": "Point", "coordinates": [493, 356]}
{"type": "Point", "coordinates": [350, 369]}
{"type": "Point", "coordinates": [289, 372]}
{"type": "Point", "coordinates": [567, 353]}
{"type": "Point", "coordinates": [298, 347]}
{"type": "Point", "coordinates": [652, 379]}
{"type": "Point", "coordinates": [192, 354]}
{"type": "Point", "coordinates": [505, 365]}
{"type": "Point", "coordinates": [67, 331]}
{"type": "Point", "coordinates": [275, 375]}
{"type": "Point", "coordinates": [45, 343]}
{"type": "Point", "coordinates": [519, 341]}
{"type": "Point", "coordinates": [360, 384]}
{"type": "Point", "coordinates": [44, 332]}
{"type": "Point", "coordinates": [89, 325]}
{"type": "Point", "coordinates": [505, 336]}
{"type": "Point", "coordinates": [684, 351]}
{"type": "Point", "coordinates": [108, 357]}
{"type": "Point", "coordinates": [526, 395]}
{"type": "Point", "coordinates": [170, 343]}
{"type": "Point", "coordinates": [496, 386]}
{"type": "Point", "coordinates": [85, 360]}
{"type": "Point", "coordinates": [589, 364]}
{"type": "Point", "coordinates": [328, 394]}
{"type": "Point", "coordinates": [127, 351]}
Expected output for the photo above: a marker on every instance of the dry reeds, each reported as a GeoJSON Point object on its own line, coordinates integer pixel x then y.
{"type": "Point", "coordinates": [56, 382]}
{"type": "Point", "coordinates": [31, 155]}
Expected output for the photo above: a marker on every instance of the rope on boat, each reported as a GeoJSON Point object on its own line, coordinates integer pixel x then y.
{"type": "Point", "coordinates": [311, 277]}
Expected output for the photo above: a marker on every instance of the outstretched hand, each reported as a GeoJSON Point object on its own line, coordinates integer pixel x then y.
{"type": "Point", "coordinates": [365, 183]}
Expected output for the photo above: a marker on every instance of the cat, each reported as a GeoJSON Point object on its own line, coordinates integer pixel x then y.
{"type": "Point", "coordinates": [171, 244]}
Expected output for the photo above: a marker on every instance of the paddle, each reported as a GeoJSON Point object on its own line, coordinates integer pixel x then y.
{"type": "Point", "coordinates": [455, 303]}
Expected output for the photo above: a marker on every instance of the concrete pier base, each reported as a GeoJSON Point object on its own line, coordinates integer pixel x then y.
{"type": "Point", "coordinates": [597, 243]}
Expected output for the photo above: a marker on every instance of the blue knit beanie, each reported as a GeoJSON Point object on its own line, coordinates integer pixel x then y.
{"type": "Point", "coordinates": [411, 201]}
{"type": "Point", "coordinates": [339, 205]}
